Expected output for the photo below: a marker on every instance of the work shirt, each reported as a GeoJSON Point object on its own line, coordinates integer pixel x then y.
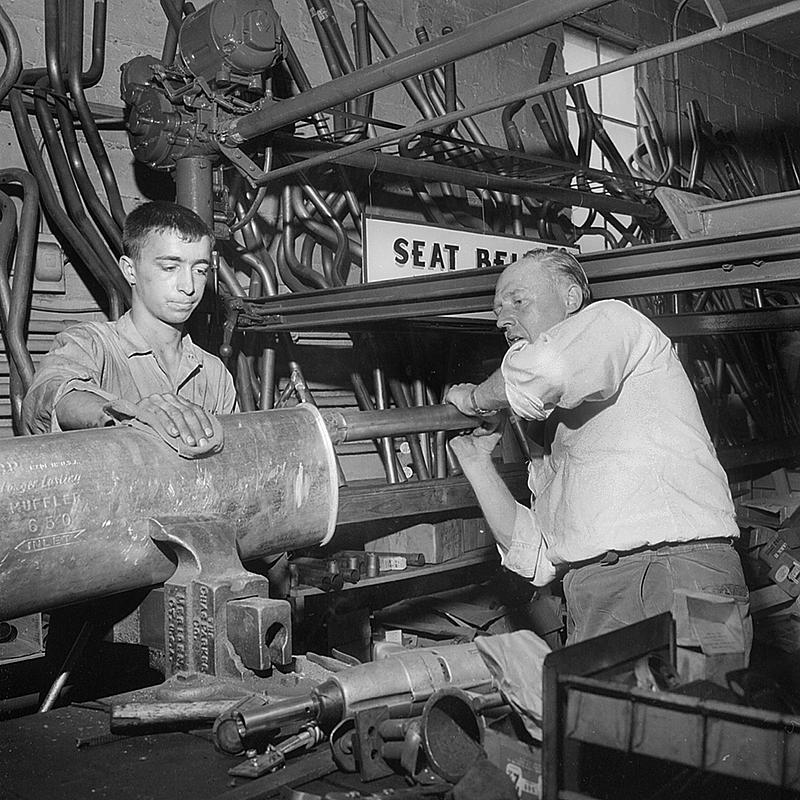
{"type": "Point", "coordinates": [112, 360]}
{"type": "Point", "coordinates": [630, 461]}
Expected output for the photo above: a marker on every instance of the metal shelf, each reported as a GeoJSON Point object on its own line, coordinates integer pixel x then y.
{"type": "Point", "coordinates": [651, 269]}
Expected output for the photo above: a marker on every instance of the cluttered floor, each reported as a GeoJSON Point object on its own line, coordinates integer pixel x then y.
{"type": "Point", "coordinates": [605, 734]}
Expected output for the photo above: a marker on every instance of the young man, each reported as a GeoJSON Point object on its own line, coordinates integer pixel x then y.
{"type": "Point", "coordinates": [144, 362]}
{"type": "Point", "coordinates": [145, 357]}
{"type": "Point", "coordinates": [630, 501]}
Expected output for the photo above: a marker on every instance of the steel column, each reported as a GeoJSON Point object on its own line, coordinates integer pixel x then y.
{"type": "Point", "coordinates": [193, 186]}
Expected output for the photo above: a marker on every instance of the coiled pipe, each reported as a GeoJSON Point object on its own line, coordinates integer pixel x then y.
{"type": "Point", "coordinates": [13, 50]}
{"type": "Point", "coordinates": [297, 276]}
{"type": "Point", "coordinates": [88, 124]}
{"type": "Point", "coordinates": [75, 168]}
{"type": "Point", "coordinates": [117, 291]}
{"type": "Point", "coordinates": [23, 269]}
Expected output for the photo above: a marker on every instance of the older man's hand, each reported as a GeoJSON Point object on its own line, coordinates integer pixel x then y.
{"type": "Point", "coordinates": [460, 396]}
{"type": "Point", "coordinates": [475, 447]}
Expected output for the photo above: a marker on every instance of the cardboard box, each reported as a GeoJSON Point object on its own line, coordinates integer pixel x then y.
{"type": "Point", "coordinates": [439, 541]}
{"type": "Point", "coordinates": [520, 758]}
{"type": "Point", "coordinates": [476, 534]}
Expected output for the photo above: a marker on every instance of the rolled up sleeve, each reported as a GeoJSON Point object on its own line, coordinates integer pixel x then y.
{"type": "Point", "coordinates": [527, 553]}
{"type": "Point", "coordinates": [584, 358]}
{"type": "Point", "coordinates": [75, 363]}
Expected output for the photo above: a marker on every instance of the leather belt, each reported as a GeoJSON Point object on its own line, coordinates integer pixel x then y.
{"type": "Point", "coordinates": [611, 557]}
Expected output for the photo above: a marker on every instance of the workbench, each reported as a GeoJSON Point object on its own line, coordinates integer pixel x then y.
{"type": "Point", "coordinates": [69, 754]}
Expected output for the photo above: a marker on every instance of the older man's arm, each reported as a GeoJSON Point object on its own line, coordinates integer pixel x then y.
{"type": "Point", "coordinates": [585, 358]}
{"type": "Point", "coordinates": [479, 399]}
{"type": "Point", "coordinates": [519, 540]}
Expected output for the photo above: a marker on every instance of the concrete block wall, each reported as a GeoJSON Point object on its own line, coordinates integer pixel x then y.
{"type": "Point", "coordinates": [138, 27]}
{"type": "Point", "coordinates": [742, 84]}
{"type": "Point", "coordinates": [482, 77]}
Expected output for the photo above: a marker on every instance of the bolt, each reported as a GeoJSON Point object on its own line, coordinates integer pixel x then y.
{"type": "Point", "coordinates": [373, 568]}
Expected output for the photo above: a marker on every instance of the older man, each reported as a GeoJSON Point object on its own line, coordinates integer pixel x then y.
{"type": "Point", "coordinates": [630, 501]}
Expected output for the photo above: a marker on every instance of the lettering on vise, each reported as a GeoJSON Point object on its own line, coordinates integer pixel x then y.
{"type": "Point", "coordinates": [176, 628]}
{"type": "Point", "coordinates": [202, 631]}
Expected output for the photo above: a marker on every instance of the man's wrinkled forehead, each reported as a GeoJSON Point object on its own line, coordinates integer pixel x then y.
{"type": "Point", "coordinates": [527, 274]}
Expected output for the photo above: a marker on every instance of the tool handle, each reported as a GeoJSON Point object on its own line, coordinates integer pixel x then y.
{"type": "Point", "coordinates": [136, 717]}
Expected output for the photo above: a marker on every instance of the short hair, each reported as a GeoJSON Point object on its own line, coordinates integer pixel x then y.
{"type": "Point", "coordinates": [159, 217]}
{"type": "Point", "coordinates": [564, 266]}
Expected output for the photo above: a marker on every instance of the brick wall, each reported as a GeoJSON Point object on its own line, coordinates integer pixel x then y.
{"type": "Point", "coordinates": [741, 83]}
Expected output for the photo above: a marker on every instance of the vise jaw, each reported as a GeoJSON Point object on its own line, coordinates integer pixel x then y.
{"type": "Point", "coordinates": [218, 617]}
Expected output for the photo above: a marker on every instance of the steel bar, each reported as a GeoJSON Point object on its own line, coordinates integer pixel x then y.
{"type": "Point", "coordinates": [346, 425]}
{"type": "Point", "coordinates": [556, 84]}
{"type": "Point", "coordinates": [384, 445]}
{"type": "Point", "coordinates": [678, 326]}
{"type": "Point", "coordinates": [494, 30]}
{"type": "Point", "coordinates": [477, 179]}
{"type": "Point", "coordinates": [73, 657]}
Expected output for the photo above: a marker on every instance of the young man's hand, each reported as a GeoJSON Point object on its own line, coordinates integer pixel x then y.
{"type": "Point", "coordinates": [182, 425]}
{"type": "Point", "coordinates": [180, 418]}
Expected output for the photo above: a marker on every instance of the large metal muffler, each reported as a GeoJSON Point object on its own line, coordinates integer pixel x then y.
{"type": "Point", "coordinates": [78, 508]}
{"type": "Point", "coordinates": [79, 511]}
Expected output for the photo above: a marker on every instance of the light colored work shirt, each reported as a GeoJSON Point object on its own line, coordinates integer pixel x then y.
{"type": "Point", "coordinates": [630, 462]}
{"type": "Point", "coordinates": [112, 360]}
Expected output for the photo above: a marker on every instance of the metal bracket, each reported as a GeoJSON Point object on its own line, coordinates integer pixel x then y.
{"type": "Point", "coordinates": [219, 618]}
{"type": "Point", "coordinates": [244, 164]}
{"type": "Point", "coordinates": [368, 743]}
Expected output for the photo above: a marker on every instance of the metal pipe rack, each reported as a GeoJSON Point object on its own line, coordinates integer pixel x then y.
{"type": "Point", "coordinates": [649, 269]}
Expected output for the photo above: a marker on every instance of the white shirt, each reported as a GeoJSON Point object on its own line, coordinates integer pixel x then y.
{"type": "Point", "coordinates": [631, 463]}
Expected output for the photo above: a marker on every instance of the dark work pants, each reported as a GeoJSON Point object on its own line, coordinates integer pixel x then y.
{"type": "Point", "coordinates": [604, 597]}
